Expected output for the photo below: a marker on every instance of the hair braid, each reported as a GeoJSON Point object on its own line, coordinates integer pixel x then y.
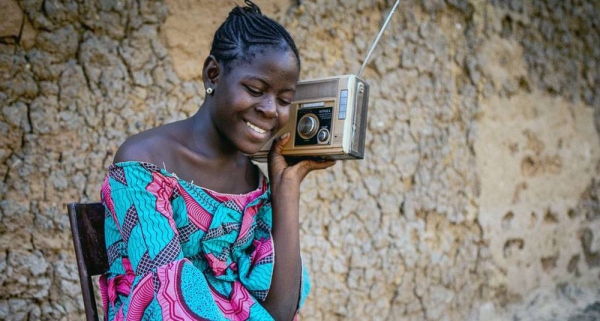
{"type": "Point", "coordinates": [244, 28]}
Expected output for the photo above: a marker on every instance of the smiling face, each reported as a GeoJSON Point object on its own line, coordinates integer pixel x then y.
{"type": "Point", "coordinates": [251, 100]}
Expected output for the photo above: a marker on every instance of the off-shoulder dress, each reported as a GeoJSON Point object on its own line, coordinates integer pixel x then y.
{"type": "Point", "coordinates": [178, 251]}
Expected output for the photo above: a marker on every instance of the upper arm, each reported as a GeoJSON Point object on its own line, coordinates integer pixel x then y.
{"type": "Point", "coordinates": [139, 200]}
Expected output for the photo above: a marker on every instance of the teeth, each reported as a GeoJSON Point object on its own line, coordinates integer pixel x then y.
{"type": "Point", "coordinates": [256, 129]}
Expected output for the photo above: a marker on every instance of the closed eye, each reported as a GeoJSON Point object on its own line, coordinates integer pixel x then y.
{"type": "Point", "coordinates": [253, 91]}
{"type": "Point", "coordinates": [284, 102]}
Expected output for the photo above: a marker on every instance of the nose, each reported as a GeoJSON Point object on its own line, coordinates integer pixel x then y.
{"type": "Point", "coordinates": [268, 107]}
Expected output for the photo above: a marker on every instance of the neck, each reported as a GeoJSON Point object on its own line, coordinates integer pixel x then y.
{"type": "Point", "coordinates": [206, 139]}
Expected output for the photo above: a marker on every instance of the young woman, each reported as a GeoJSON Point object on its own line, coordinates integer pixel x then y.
{"type": "Point", "coordinates": [195, 231]}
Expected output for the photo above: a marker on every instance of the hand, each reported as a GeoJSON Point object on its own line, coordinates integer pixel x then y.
{"type": "Point", "coordinates": [284, 173]}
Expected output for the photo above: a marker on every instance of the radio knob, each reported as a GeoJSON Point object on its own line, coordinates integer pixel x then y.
{"type": "Point", "coordinates": [323, 135]}
{"type": "Point", "coordinates": [308, 125]}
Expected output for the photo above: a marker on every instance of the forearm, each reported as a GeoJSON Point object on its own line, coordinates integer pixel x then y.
{"type": "Point", "coordinates": [284, 293]}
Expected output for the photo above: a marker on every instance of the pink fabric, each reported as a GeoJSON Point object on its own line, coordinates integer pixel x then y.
{"type": "Point", "coordinates": [263, 249]}
{"type": "Point", "coordinates": [162, 187]}
{"type": "Point", "coordinates": [218, 267]}
{"type": "Point", "coordinates": [140, 298]}
{"type": "Point", "coordinates": [168, 294]}
{"type": "Point", "coordinates": [237, 307]}
{"type": "Point", "coordinates": [119, 284]}
{"type": "Point", "coordinates": [196, 213]}
{"type": "Point", "coordinates": [108, 201]}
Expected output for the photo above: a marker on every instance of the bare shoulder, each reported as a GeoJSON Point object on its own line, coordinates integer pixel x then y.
{"type": "Point", "coordinates": [148, 146]}
{"type": "Point", "coordinates": [137, 148]}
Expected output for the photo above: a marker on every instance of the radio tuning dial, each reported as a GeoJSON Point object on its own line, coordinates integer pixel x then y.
{"type": "Point", "coordinates": [308, 126]}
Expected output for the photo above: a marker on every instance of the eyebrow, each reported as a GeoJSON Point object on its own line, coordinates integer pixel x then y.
{"type": "Point", "coordinates": [265, 82]}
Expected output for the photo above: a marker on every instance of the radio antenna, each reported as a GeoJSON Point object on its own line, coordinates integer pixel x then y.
{"type": "Point", "coordinates": [387, 20]}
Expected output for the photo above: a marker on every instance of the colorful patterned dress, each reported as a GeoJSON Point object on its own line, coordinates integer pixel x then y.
{"type": "Point", "coordinates": [178, 251]}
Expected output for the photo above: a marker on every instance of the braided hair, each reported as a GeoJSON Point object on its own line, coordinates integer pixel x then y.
{"type": "Point", "coordinates": [247, 27]}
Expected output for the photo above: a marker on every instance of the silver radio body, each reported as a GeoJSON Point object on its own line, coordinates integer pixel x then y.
{"type": "Point", "coordinates": [328, 119]}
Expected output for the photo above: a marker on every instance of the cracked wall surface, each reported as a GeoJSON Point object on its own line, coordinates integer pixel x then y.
{"type": "Point", "coordinates": [478, 197]}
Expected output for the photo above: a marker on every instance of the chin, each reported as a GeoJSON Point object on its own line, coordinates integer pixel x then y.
{"type": "Point", "coordinates": [250, 149]}
{"type": "Point", "coordinates": [253, 146]}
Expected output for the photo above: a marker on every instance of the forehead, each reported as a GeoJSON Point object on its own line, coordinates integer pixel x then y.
{"type": "Point", "coordinates": [265, 61]}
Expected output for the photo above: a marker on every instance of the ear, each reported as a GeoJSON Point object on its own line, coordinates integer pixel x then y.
{"type": "Point", "coordinates": [211, 71]}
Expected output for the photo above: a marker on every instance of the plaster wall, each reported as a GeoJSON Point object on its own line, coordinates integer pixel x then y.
{"type": "Point", "coordinates": [478, 197]}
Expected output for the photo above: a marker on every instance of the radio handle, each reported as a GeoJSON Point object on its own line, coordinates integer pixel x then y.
{"type": "Point", "coordinates": [387, 20]}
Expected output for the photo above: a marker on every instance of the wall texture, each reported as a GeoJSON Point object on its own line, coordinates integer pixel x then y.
{"type": "Point", "coordinates": [479, 195]}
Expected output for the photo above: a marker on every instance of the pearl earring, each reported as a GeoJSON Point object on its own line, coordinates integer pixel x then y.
{"type": "Point", "coordinates": [209, 91]}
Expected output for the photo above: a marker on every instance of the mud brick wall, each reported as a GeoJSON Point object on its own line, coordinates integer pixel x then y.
{"type": "Point", "coordinates": [478, 197]}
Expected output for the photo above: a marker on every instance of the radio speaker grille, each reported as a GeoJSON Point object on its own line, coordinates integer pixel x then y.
{"type": "Point", "coordinates": [310, 90]}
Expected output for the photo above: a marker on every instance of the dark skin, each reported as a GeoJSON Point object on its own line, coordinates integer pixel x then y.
{"type": "Point", "coordinates": [249, 104]}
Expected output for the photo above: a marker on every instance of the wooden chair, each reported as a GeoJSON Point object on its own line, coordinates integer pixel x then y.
{"type": "Point", "coordinates": [87, 228]}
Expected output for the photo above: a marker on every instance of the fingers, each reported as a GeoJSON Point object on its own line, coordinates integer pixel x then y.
{"type": "Point", "coordinates": [306, 166]}
{"type": "Point", "coordinates": [276, 161]}
{"type": "Point", "coordinates": [295, 169]}
{"type": "Point", "coordinates": [277, 146]}
{"type": "Point", "coordinates": [281, 141]}
{"type": "Point", "coordinates": [320, 164]}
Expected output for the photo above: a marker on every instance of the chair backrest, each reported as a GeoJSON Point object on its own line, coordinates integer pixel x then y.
{"type": "Point", "coordinates": [87, 228]}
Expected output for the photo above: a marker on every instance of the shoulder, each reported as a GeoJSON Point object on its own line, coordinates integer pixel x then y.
{"type": "Point", "coordinates": [147, 146]}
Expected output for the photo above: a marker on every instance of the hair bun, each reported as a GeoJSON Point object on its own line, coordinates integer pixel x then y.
{"type": "Point", "coordinates": [251, 7]}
